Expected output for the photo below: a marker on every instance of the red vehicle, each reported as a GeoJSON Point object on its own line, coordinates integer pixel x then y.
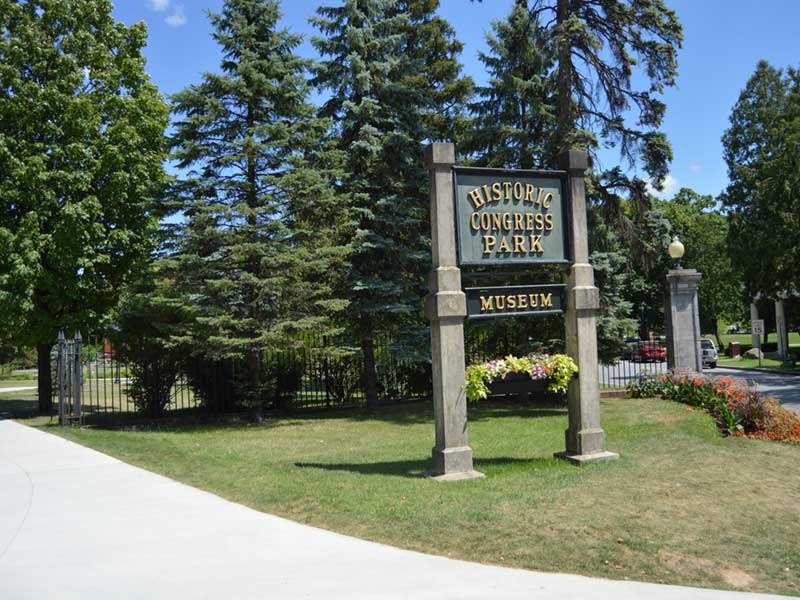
{"type": "Point", "coordinates": [649, 351]}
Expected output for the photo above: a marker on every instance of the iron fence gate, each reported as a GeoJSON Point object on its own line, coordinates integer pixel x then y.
{"type": "Point", "coordinates": [92, 380]}
{"type": "Point", "coordinates": [620, 374]}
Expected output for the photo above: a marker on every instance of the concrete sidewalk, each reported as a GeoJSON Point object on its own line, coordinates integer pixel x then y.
{"type": "Point", "coordinates": [75, 523]}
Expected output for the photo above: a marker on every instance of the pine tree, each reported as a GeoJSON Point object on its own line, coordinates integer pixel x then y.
{"type": "Point", "coordinates": [257, 199]}
{"type": "Point", "coordinates": [431, 42]}
{"type": "Point", "coordinates": [514, 124]}
{"type": "Point", "coordinates": [81, 151]}
{"type": "Point", "coordinates": [392, 75]}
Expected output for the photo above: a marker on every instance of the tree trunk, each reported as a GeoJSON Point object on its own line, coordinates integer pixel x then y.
{"type": "Point", "coordinates": [720, 345]}
{"type": "Point", "coordinates": [564, 76]}
{"type": "Point", "coordinates": [45, 379]}
{"type": "Point", "coordinates": [370, 376]}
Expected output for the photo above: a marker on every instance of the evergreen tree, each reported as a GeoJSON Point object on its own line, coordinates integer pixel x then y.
{"type": "Point", "coordinates": [392, 84]}
{"type": "Point", "coordinates": [431, 42]}
{"type": "Point", "coordinates": [258, 205]}
{"type": "Point", "coordinates": [762, 151]}
{"type": "Point", "coordinates": [81, 151]}
{"type": "Point", "coordinates": [514, 124]}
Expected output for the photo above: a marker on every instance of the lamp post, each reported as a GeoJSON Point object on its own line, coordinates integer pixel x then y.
{"type": "Point", "coordinates": [676, 251]}
{"type": "Point", "coordinates": [683, 314]}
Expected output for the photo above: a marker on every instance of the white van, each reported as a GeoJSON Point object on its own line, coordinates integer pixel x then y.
{"type": "Point", "coordinates": [709, 353]}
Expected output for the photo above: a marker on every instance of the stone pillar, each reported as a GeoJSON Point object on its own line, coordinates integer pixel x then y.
{"type": "Point", "coordinates": [585, 439]}
{"type": "Point", "coordinates": [683, 321]}
{"type": "Point", "coordinates": [446, 306]}
{"type": "Point", "coordinates": [780, 328]}
{"type": "Point", "coordinates": [755, 339]}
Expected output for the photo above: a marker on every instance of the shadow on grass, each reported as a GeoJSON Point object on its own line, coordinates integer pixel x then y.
{"type": "Point", "coordinates": [18, 409]}
{"type": "Point", "coordinates": [421, 412]}
{"type": "Point", "coordinates": [193, 420]}
{"type": "Point", "coordinates": [420, 468]}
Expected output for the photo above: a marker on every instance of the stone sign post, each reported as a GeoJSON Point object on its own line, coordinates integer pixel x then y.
{"type": "Point", "coordinates": [446, 306]}
{"type": "Point", "coordinates": [484, 217]}
{"type": "Point", "coordinates": [585, 439]}
{"type": "Point", "coordinates": [683, 321]}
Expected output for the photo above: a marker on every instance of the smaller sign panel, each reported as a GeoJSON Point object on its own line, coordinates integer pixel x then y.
{"type": "Point", "coordinates": [517, 300]}
{"type": "Point", "coordinates": [758, 327]}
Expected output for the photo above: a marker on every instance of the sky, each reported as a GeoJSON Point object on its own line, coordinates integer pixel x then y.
{"type": "Point", "coordinates": [723, 42]}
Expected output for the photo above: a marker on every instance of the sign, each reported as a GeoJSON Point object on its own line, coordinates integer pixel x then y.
{"type": "Point", "coordinates": [511, 217]}
{"type": "Point", "coordinates": [519, 300]}
{"type": "Point", "coordinates": [758, 327]}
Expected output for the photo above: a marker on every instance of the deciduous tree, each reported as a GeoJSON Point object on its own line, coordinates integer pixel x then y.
{"type": "Point", "coordinates": [81, 151]}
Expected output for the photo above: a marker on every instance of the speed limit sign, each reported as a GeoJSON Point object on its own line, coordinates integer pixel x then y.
{"type": "Point", "coordinates": [758, 327]}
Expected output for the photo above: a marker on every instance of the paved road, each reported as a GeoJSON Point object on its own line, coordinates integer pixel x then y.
{"type": "Point", "coordinates": [16, 389]}
{"type": "Point", "coordinates": [76, 524]}
{"type": "Point", "coordinates": [785, 388]}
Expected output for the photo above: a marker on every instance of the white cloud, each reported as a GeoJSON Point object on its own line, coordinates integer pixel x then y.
{"type": "Point", "coordinates": [669, 186]}
{"type": "Point", "coordinates": [158, 5]}
{"type": "Point", "coordinates": [177, 18]}
{"type": "Point", "coordinates": [695, 168]}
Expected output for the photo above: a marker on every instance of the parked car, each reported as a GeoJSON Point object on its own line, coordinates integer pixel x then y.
{"type": "Point", "coordinates": [631, 343]}
{"type": "Point", "coordinates": [709, 353]}
{"type": "Point", "coordinates": [732, 329]}
{"type": "Point", "coordinates": [649, 351]}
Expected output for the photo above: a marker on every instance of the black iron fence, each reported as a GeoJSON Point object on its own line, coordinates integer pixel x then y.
{"type": "Point", "coordinates": [620, 374]}
{"type": "Point", "coordinates": [103, 380]}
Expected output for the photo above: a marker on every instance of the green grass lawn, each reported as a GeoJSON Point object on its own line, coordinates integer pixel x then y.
{"type": "Point", "coordinates": [744, 338]}
{"type": "Point", "coordinates": [17, 404]}
{"type": "Point", "coordinates": [752, 363]}
{"type": "Point", "coordinates": [683, 505]}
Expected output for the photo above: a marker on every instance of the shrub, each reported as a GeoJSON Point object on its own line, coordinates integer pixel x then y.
{"type": "Point", "coordinates": [737, 408]}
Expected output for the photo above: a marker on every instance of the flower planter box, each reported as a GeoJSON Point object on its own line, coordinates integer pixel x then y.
{"type": "Point", "coordinates": [522, 388]}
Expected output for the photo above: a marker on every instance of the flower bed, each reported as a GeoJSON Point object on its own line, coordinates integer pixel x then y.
{"type": "Point", "coordinates": [737, 408]}
{"type": "Point", "coordinates": [555, 369]}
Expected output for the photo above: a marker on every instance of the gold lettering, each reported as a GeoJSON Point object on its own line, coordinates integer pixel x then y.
{"type": "Point", "coordinates": [536, 245]}
{"type": "Point", "coordinates": [475, 196]}
{"type": "Point", "coordinates": [497, 222]}
{"type": "Point", "coordinates": [534, 300]}
{"type": "Point", "coordinates": [507, 221]}
{"type": "Point", "coordinates": [519, 244]}
{"type": "Point", "coordinates": [475, 221]}
{"type": "Point", "coordinates": [500, 302]}
{"type": "Point", "coordinates": [528, 221]}
{"type": "Point", "coordinates": [539, 197]}
{"type": "Point", "coordinates": [539, 222]}
{"type": "Point", "coordinates": [546, 201]}
{"type": "Point", "coordinates": [547, 301]}
{"type": "Point", "coordinates": [511, 301]}
{"type": "Point", "coordinates": [486, 221]}
{"type": "Point", "coordinates": [504, 247]}
{"type": "Point", "coordinates": [497, 193]}
{"type": "Point", "coordinates": [507, 186]}
{"type": "Point", "coordinates": [486, 192]}
{"type": "Point", "coordinates": [486, 303]}
{"type": "Point", "coordinates": [530, 189]}
{"type": "Point", "coordinates": [548, 219]}
{"type": "Point", "coordinates": [519, 221]}
{"type": "Point", "coordinates": [488, 243]}
{"type": "Point", "coordinates": [518, 190]}
{"type": "Point", "coordinates": [522, 301]}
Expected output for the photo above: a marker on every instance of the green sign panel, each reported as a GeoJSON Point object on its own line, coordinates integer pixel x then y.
{"type": "Point", "coordinates": [519, 300]}
{"type": "Point", "coordinates": [511, 217]}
